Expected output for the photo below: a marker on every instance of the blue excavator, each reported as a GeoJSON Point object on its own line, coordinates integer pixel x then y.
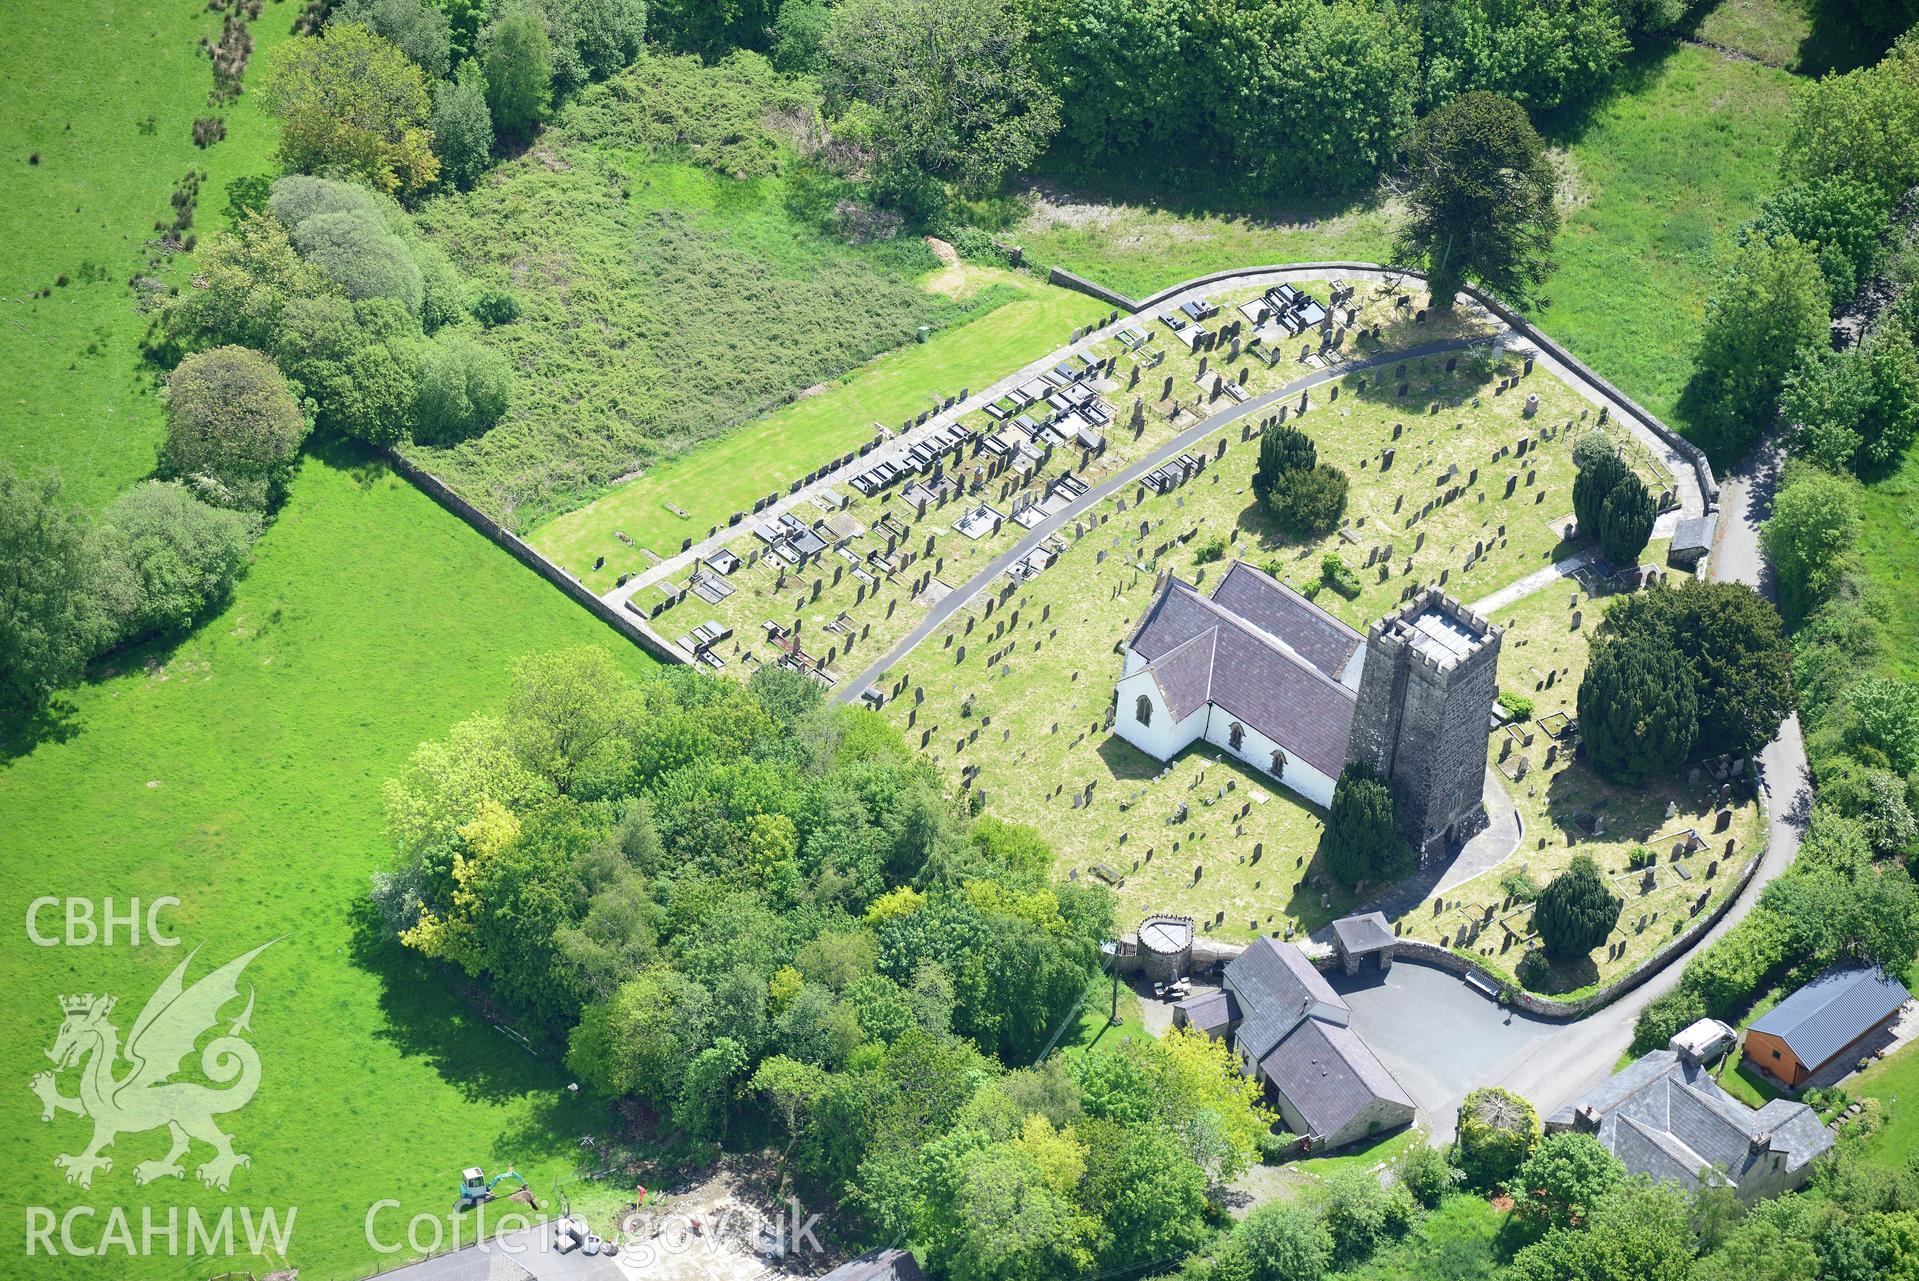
{"type": "Point", "coordinates": [476, 1188]}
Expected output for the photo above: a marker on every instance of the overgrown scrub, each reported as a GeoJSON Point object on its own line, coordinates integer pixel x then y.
{"type": "Point", "coordinates": [681, 267]}
{"type": "Point", "coordinates": [760, 918]}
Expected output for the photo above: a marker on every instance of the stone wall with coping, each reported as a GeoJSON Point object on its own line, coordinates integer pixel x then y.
{"type": "Point", "coordinates": [629, 626]}
{"type": "Point", "coordinates": [1694, 456]}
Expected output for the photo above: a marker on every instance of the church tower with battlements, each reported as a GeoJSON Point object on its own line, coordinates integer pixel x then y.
{"type": "Point", "coordinates": [1424, 716]}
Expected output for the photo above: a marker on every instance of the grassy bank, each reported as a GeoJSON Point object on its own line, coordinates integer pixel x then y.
{"type": "Point", "coordinates": [110, 118]}
{"type": "Point", "coordinates": [712, 481]}
{"type": "Point", "coordinates": [241, 773]}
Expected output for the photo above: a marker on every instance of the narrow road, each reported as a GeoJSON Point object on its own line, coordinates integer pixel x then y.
{"type": "Point", "coordinates": [957, 598]}
{"type": "Point", "coordinates": [1561, 1067]}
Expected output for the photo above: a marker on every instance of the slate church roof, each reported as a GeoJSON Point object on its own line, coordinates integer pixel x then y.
{"type": "Point", "coordinates": [1668, 1118]}
{"type": "Point", "coordinates": [1831, 1012]}
{"type": "Point", "coordinates": [1292, 1030]}
{"type": "Point", "coordinates": [1329, 1076]}
{"type": "Point", "coordinates": [1261, 653]}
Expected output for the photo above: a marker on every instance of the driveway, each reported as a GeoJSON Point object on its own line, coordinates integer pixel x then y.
{"type": "Point", "coordinates": [1579, 1055]}
{"type": "Point", "coordinates": [1438, 1037]}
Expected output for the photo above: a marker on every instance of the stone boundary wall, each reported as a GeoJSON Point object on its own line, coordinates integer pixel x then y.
{"type": "Point", "coordinates": [1708, 484]}
{"type": "Point", "coordinates": [1072, 280]}
{"type": "Point", "coordinates": [628, 626]}
{"type": "Point", "coordinates": [1212, 955]}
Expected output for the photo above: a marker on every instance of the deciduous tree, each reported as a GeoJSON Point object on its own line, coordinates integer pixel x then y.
{"type": "Point", "coordinates": [518, 61]}
{"type": "Point", "coordinates": [462, 127]}
{"type": "Point", "coordinates": [1564, 1178]}
{"type": "Point", "coordinates": [49, 623]}
{"type": "Point", "coordinates": [1810, 537]}
{"type": "Point", "coordinates": [233, 428]}
{"type": "Point", "coordinates": [1768, 311]}
{"type": "Point", "coordinates": [1497, 1131]}
{"type": "Point", "coordinates": [947, 92]}
{"type": "Point", "coordinates": [351, 102]}
{"type": "Point", "coordinates": [169, 559]}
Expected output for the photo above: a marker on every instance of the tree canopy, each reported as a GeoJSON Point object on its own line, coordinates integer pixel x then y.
{"type": "Point", "coordinates": [1576, 911]}
{"type": "Point", "coordinates": [948, 92]}
{"type": "Point", "coordinates": [49, 622]}
{"type": "Point", "coordinates": [1480, 199]}
{"type": "Point", "coordinates": [1361, 842]}
{"type": "Point", "coordinates": [1767, 311]}
{"type": "Point", "coordinates": [233, 428]}
{"type": "Point", "coordinates": [349, 101]}
{"type": "Point", "coordinates": [1638, 709]}
{"type": "Point", "coordinates": [1496, 1132]}
{"type": "Point", "coordinates": [1735, 643]}
{"type": "Point", "coordinates": [1810, 537]}
{"type": "Point", "coordinates": [517, 58]}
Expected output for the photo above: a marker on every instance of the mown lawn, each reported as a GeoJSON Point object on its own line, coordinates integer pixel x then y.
{"type": "Point", "coordinates": [241, 772]}
{"type": "Point", "coordinates": [1895, 1083]}
{"type": "Point", "coordinates": [1657, 177]}
{"type": "Point", "coordinates": [108, 107]}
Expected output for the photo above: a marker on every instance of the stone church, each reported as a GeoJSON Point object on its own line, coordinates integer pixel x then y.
{"type": "Point", "coordinates": [1260, 671]}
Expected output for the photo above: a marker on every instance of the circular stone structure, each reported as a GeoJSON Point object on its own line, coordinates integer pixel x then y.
{"type": "Point", "coordinates": [1165, 946]}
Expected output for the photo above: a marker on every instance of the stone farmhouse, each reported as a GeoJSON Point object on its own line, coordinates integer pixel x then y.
{"type": "Point", "coordinates": [1664, 1116]}
{"type": "Point", "coordinates": [1259, 670]}
{"type": "Point", "coordinates": [1291, 1030]}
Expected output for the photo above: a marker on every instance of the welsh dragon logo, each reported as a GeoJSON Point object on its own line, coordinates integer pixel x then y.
{"type": "Point", "coordinates": [143, 1097]}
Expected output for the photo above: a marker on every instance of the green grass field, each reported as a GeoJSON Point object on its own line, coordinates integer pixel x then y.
{"type": "Point", "coordinates": [1139, 242]}
{"type": "Point", "coordinates": [241, 773]}
{"type": "Point", "coordinates": [1889, 548]}
{"type": "Point", "coordinates": [111, 118]}
{"type": "Point", "coordinates": [1657, 176]}
{"type": "Point", "coordinates": [730, 473]}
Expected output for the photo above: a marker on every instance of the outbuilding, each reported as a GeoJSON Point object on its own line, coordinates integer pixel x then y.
{"type": "Point", "coordinates": [1826, 1022]}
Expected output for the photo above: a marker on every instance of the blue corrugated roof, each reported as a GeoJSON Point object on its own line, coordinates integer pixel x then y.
{"type": "Point", "coordinates": [1831, 1012]}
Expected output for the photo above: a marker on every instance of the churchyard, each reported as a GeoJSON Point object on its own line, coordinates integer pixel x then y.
{"type": "Point", "coordinates": [1461, 472]}
{"type": "Point", "coordinates": [898, 551]}
{"type": "Point", "coordinates": [1209, 835]}
{"type": "Point", "coordinates": [1671, 849]}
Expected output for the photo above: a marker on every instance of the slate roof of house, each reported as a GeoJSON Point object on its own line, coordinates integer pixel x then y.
{"type": "Point", "coordinates": [1359, 935]}
{"type": "Point", "coordinates": [1694, 533]}
{"type": "Point", "coordinates": [1275, 986]}
{"type": "Point", "coordinates": [1259, 652]}
{"type": "Point", "coordinates": [1328, 1075]}
{"type": "Point", "coordinates": [879, 1265]}
{"type": "Point", "coordinates": [1831, 1012]}
{"type": "Point", "coordinates": [1210, 1012]}
{"type": "Point", "coordinates": [1668, 1118]}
